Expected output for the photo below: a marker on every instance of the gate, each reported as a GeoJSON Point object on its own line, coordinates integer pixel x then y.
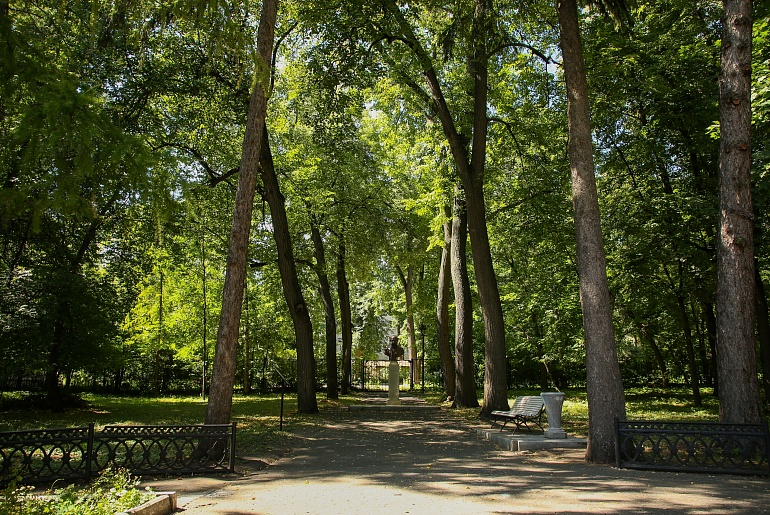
{"type": "Point", "coordinates": [374, 375]}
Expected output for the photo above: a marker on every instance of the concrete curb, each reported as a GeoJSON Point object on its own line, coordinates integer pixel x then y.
{"type": "Point", "coordinates": [512, 442]}
{"type": "Point", "coordinates": [163, 504]}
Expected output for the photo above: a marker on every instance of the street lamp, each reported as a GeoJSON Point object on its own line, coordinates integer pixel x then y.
{"type": "Point", "coordinates": [422, 362]}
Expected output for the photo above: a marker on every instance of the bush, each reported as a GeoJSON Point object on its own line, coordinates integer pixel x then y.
{"type": "Point", "coordinates": [113, 491]}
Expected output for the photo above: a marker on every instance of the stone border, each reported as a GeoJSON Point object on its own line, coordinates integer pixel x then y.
{"type": "Point", "coordinates": [527, 442]}
{"type": "Point", "coordinates": [163, 504]}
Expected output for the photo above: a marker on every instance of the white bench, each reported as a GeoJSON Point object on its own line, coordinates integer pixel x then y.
{"type": "Point", "coordinates": [526, 408]}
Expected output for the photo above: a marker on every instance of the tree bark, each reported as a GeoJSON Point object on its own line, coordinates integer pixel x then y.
{"type": "Point", "coordinates": [604, 384]}
{"type": "Point", "coordinates": [220, 401]}
{"type": "Point", "coordinates": [346, 320]}
{"type": "Point", "coordinates": [292, 291]}
{"type": "Point", "coordinates": [442, 309]}
{"type": "Point", "coordinates": [736, 355]}
{"type": "Point", "coordinates": [330, 317]}
{"type": "Point", "coordinates": [465, 367]}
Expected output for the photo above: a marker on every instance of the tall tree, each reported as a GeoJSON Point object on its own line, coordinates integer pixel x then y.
{"type": "Point", "coordinates": [346, 318]}
{"type": "Point", "coordinates": [442, 308]}
{"type": "Point", "coordinates": [220, 401]}
{"type": "Point", "coordinates": [470, 164]}
{"type": "Point", "coordinates": [604, 383]}
{"type": "Point", "coordinates": [295, 301]}
{"type": "Point", "coordinates": [736, 355]}
{"type": "Point", "coordinates": [330, 319]}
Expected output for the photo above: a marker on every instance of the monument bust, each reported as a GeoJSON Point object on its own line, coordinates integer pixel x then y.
{"type": "Point", "coordinates": [394, 351]}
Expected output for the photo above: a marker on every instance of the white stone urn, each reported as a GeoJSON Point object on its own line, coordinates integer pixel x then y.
{"type": "Point", "coordinates": [554, 401]}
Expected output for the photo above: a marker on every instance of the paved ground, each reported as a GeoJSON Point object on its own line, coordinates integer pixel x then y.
{"type": "Point", "coordinates": [380, 462]}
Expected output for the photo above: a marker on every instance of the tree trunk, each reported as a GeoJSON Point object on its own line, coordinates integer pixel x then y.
{"type": "Point", "coordinates": [204, 366]}
{"type": "Point", "coordinates": [736, 355]}
{"type": "Point", "coordinates": [442, 309]}
{"type": "Point", "coordinates": [604, 384]}
{"type": "Point", "coordinates": [346, 320]}
{"type": "Point", "coordinates": [246, 344]}
{"type": "Point", "coordinates": [495, 364]}
{"type": "Point", "coordinates": [763, 331]}
{"type": "Point", "coordinates": [540, 354]}
{"type": "Point", "coordinates": [692, 364]}
{"type": "Point", "coordinates": [711, 329]}
{"type": "Point", "coordinates": [303, 328]}
{"type": "Point", "coordinates": [471, 172]}
{"type": "Point", "coordinates": [465, 367]}
{"type": "Point", "coordinates": [407, 282]}
{"type": "Point", "coordinates": [650, 339]}
{"type": "Point", "coordinates": [330, 317]}
{"type": "Point", "coordinates": [223, 375]}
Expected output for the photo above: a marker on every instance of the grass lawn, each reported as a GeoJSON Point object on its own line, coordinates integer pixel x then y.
{"type": "Point", "coordinates": [675, 403]}
{"type": "Point", "coordinates": [258, 416]}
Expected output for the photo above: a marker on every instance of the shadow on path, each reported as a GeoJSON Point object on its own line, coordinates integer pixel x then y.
{"type": "Point", "coordinates": [431, 462]}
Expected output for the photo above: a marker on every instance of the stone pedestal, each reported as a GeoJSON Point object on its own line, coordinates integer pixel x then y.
{"type": "Point", "coordinates": [553, 404]}
{"type": "Point", "coordinates": [394, 381]}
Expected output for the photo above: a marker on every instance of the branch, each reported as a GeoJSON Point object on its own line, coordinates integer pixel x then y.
{"type": "Point", "coordinates": [507, 207]}
{"type": "Point", "coordinates": [546, 59]}
{"type": "Point", "coordinates": [214, 177]}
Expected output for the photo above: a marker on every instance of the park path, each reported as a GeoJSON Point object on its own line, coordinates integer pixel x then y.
{"type": "Point", "coordinates": [431, 462]}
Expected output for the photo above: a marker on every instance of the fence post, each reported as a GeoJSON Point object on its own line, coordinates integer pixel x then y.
{"type": "Point", "coordinates": [231, 464]}
{"type": "Point", "coordinates": [89, 450]}
{"type": "Point", "coordinates": [412, 365]}
{"type": "Point", "coordinates": [766, 434]}
{"type": "Point", "coordinates": [363, 375]}
{"type": "Point", "coordinates": [617, 442]}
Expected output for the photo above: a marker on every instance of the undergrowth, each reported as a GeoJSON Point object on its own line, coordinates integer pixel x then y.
{"type": "Point", "coordinates": [112, 492]}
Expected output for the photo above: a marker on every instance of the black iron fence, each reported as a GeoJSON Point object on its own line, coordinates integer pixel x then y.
{"type": "Point", "coordinates": [374, 375]}
{"type": "Point", "coordinates": [80, 452]}
{"type": "Point", "coordinates": [693, 446]}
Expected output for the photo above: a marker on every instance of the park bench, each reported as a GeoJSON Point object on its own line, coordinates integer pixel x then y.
{"type": "Point", "coordinates": [526, 408]}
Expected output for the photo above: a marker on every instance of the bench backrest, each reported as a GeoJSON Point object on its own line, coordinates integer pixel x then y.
{"type": "Point", "coordinates": [527, 405]}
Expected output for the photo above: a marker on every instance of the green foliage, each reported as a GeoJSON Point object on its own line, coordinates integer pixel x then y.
{"type": "Point", "coordinates": [112, 492]}
{"type": "Point", "coordinates": [120, 136]}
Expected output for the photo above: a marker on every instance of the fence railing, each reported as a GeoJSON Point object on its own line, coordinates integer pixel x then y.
{"type": "Point", "coordinates": [374, 375]}
{"type": "Point", "coordinates": [81, 452]}
{"type": "Point", "coordinates": [711, 447]}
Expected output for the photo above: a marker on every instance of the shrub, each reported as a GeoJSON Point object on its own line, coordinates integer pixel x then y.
{"type": "Point", "coordinates": [112, 491]}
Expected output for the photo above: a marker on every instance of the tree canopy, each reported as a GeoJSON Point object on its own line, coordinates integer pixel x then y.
{"type": "Point", "coordinates": [392, 129]}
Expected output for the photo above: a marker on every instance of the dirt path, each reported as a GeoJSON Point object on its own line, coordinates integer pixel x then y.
{"type": "Point", "coordinates": [429, 462]}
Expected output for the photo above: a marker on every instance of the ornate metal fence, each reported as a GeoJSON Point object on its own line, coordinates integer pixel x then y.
{"type": "Point", "coordinates": [81, 452]}
{"type": "Point", "coordinates": [374, 375]}
{"type": "Point", "coordinates": [693, 446]}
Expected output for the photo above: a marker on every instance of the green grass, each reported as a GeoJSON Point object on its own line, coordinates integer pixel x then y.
{"type": "Point", "coordinates": [672, 404]}
{"type": "Point", "coordinates": [258, 416]}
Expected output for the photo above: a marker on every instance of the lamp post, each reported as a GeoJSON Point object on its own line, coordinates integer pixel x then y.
{"type": "Point", "coordinates": [422, 361]}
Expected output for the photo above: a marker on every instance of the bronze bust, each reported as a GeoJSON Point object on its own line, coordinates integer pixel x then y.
{"type": "Point", "coordinates": [394, 351]}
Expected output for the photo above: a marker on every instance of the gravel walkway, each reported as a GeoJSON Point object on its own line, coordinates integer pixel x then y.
{"type": "Point", "coordinates": [430, 462]}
